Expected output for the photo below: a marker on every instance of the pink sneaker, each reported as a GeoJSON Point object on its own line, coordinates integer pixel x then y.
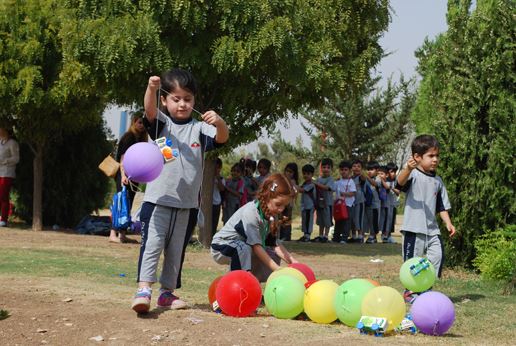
{"type": "Point", "coordinates": [167, 300]}
{"type": "Point", "coordinates": [142, 300]}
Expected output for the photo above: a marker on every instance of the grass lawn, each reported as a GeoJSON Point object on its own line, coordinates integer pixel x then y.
{"type": "Point", "coordinates": [76, 287]}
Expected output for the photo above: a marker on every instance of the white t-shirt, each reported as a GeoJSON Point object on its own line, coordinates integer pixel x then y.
{"type": "Point", "coordinates": [346, 185]}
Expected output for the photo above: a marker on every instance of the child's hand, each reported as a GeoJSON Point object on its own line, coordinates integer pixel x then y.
{"type": "Point", "coordinates": [211, 118]}
{"type": "Point", "coordinates": [154, 82]}
{"type": "Point", "coordinates": [451, 229]}
{"type": "Point", "coordinates": [411, 164]}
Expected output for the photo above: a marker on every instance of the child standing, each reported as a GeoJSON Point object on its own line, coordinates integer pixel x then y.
{"type": "Point", "coordinates": [264, 169]}
{"type": "Point", "coordinates": [249, 240]}
{"type": "Point", "coordinates": [325, 186]}
{"type": "Point", "coordinates": [393, 195]}
{"type": "Point", "coordinates": [170, 205]}
{"type": "Point", "coordinates": [383, 195]}
{"type": "Point", "coordinates": [292, 173]}
{"type": "Point", "coordinates": [345, 189]}
{"type": "Point", "coordinates": [307, 191]}
{"type": "Point", "coordinates": [218, 192]}
{"type": "Point", "coordinates": [250, 183]}
{"type": "Point", "coordinates": [234, 192]}
{"type": "Point", "coordinates": [426, 195]}
{"type": "Point", "coordinates": [359, 206]}
{"type": "Point", "coordinates": [372, 212]}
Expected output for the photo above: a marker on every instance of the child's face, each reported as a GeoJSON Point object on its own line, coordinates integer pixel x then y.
{"type": "Point", "coordinates": [372, 172]}
{"type": "Point", "coordinates": [382, 174]}
{"type": "Point", "coordinates": [392, 174]}
{"type": "Point", "coordinates": [344, 172]}
{"type": "Point", "coordinates": [179, 103]}
{"type": "Point", "coordinates": [218, 168]}
{"type": "Point", "coordinates": [262, 169]}
{"type": "Point", "coordinates": [356, 168]}
{"type": "Point", "coordinates": [307, 176]}
{"type": "Point", "coordinates": [235, 173]}
{"type": "Point", "coordinates": [429, 161]}
{"type": "Point", "coordinates": [289, 173]}
{"type": "Point", "coordinates": [277, 205]}
{"type": "Point", "coordinates": [325, 170]}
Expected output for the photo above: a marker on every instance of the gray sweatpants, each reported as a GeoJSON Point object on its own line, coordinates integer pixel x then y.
{"type": "Point", "coordinates": [240, 256]}
{"type": "Point", "coordinates": [167, 230]}
{"type": "Point", "coordinates": [419, 244]}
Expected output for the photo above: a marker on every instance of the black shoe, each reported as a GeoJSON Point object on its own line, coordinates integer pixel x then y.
{"type": "Point", "coordinates": [316, 239]}
{"type": "Point", "coordinates": [324, 240]}
{"type": "Point", "coordinates": [304, 239]}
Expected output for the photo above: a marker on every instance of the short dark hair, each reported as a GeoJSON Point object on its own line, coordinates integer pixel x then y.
{"type": "Point", "coordinates": [345, 164]}
{"type": "Point", "coordinates": [421, 144]}
{"type": "Point", "coordinates": [308, 169]}
{"type": "Point", "coordinates": [218, 162]}
{"type": "Point", "coordinates": [357, 161]}
{"type": "Point", "coordinates": [383, 169]}
{"type": "Point", "coordinates": [391, 166]}
{"type": "Point", "coordinates": [265, 162]}
{"type": "Point", "coordinates": [327, 162]}
{"type": "Point", "coordinates": [177, 77]}
{"type": "Point", "coordinates": [372, 165]}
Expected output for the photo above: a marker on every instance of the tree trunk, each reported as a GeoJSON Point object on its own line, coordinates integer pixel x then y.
{"type": "Point", "coordinates": [37, 197]}
{"type": "Point", "coordinates": [207, 201]}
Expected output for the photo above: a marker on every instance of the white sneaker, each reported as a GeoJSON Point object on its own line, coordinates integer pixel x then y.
{"type": "Point", "coordinates": [3, 223]}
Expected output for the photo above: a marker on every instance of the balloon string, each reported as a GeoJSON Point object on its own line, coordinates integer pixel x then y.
{"type": "Point", "coordinates": [242, 300]}
{"type": "Point", "coordinates": [436, 328]}
{"type": "Point", "coordinates": [343, 304]}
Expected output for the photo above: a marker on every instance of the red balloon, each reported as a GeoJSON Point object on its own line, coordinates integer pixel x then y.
{"type": "Point", "coordinates": [211, 290]}
{"type": "Point", "coordinates": [238, 293]}
{"type": "Point", "coordinates": [306, 270]}
{"type": "Point", "coordinates": [310, 283]}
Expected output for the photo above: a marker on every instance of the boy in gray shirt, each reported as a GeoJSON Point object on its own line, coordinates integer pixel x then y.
{"type": "Point", "coordinates": [307, 191]}
{"type": "Point", "coordinates": [426, 195]}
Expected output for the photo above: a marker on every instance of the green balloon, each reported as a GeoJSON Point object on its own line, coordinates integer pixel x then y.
{"type": "Point", "coordinates": [417, 274]}
{"type": "Point", "coordinates": [348, 300]}
{"type": "Point", "coordinates": [284, 297]}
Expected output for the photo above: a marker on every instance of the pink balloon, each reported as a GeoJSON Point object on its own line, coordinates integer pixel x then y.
{"type": "Point", "coordinates": [143, 162]}
{"type": "Point", "coordinates": [306, 270]}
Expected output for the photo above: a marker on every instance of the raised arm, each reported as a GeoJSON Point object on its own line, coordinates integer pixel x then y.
{"type": "Point", "coordinates": [149, 100]}
{"type": "Point", "coordinates": [405, 172]}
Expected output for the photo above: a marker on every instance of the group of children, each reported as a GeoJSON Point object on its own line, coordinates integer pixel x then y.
{"type": "Point", "coordinates": [371, 198]}
{"type": "Point", "coordinates": [257, 210]}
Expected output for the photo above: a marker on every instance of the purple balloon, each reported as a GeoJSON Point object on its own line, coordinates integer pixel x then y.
{"type": "Point", "coordinates": [433, 313]}
{"type": "Point", "coordinates": [143, 162]}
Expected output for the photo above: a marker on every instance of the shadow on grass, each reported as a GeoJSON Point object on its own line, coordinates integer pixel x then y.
{"type": "Point", "coordinates": [462, 297]}
{"type": "Point", "coordinates": [365, 250]}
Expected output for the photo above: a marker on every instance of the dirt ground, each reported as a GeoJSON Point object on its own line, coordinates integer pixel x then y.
{"type": "Point", "coordinates": [62, 311]}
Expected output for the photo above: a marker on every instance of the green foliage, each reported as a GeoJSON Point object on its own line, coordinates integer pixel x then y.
{"type": "Point", "coordinates": [372, 124]}
{"type": "Point", "coordinates": [4, 314]}
{"type": "Point", "coordinates": [255, 60]}
{"type": "Point", "coordinates": [496, 255]}
{"type": "Point", "coordinates": [467, 99]}
{"type": "Point", "coordinates": [73, 185]}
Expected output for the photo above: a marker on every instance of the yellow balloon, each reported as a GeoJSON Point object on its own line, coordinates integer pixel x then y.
{"type": "Point", "coordinates": [385, 302]}
{"type": "Point", "coordinates": [319, 301]}
{"type": "Point", "coordinates": [287, 271]}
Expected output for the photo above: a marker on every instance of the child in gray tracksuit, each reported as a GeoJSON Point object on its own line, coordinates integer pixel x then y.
{"type": "Point", "coordinates": [426, 195]}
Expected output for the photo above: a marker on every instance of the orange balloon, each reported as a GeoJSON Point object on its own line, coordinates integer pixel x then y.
{"type": "Point", "coordinates": [213, 289]}
{"type": "Point", "coordinates": [376, 283]}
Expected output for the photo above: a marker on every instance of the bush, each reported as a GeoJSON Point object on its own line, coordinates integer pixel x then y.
{"type": "Point", "coordinates": [496, 255]}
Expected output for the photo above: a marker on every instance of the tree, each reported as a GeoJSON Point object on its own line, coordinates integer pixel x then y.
{"type": "Point", "coordinates": [369, 124]}
{"type": "Point", "coordinates": [255, 60]}
{"type": "Point", "coordinates": [466, 98]}
{"type": "Point", "coordinates": [45, 92]}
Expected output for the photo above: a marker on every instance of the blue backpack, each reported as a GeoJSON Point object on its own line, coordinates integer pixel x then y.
{"type": "Point", "coordinates": [120, 213]}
